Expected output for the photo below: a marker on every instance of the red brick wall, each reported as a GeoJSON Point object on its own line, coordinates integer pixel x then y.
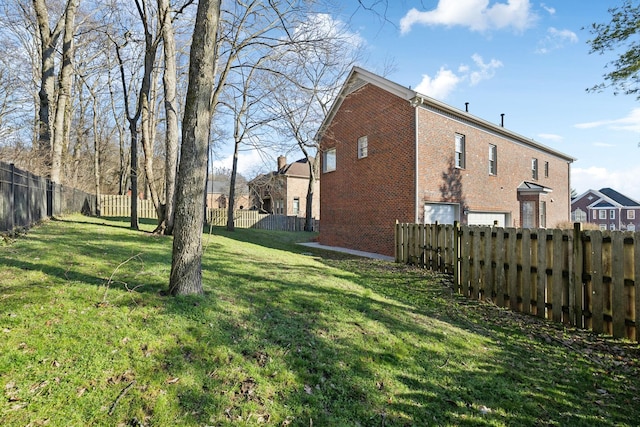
{"type": "Point", "coordinates": [361, 200]}
{"type": "Point", "coordinates": [473, 187]}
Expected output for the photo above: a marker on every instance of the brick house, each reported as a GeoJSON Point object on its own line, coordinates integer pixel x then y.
{"type": "Point", "coordinates": [218, 193]}
{"type": "Point", "coordinates": [284, 191]}
{"type": "Point", "coordinates": [390, 153]}
{"type": "Point", "coordinates": [608, 209]}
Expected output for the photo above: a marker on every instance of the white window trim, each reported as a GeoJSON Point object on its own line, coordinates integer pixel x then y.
{"type": "Point", "coordinates": [460, 147]}
{"type": "Point", "coordinates": [363, 147]}
{"type": "Point", "coordinates": [631, 214]}
{"type": "Point", "coordinates": [493, 159]}
{"type": "Point", "coordinates": [326, 167]}
{"type": "Point", "coordinates": [612, 214]}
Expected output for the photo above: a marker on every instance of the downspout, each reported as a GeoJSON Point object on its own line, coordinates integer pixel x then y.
{"type": "Point", "coordinates": [416, 162]}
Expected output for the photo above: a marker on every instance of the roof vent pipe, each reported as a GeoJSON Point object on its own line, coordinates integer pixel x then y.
{"type": "Point", "coordinates": [502, 119]}
{"type": "Point", "coordinates": [466, 107]}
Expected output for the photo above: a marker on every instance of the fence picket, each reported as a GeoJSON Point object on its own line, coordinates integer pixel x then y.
{"type": "Point", "coordinates": [618, 306]}
{"type": "Point", "coordinates": [586, 278]}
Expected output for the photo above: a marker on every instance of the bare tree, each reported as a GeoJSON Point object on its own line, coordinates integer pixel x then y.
{"type": "Point", "coordinates": [169, 81]}
{"type": "Point", "coordinates": [312, 68]}
{"type": "Point", "coordinates": [48, 41]}
{"type": "Point", "coordinates": [186, 273]}
{"type": "Point", "coordinates": [63, 100]}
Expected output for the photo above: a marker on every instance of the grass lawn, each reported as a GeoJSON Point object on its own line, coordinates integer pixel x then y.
{"type": "Point", "coordinates": [285, 335]}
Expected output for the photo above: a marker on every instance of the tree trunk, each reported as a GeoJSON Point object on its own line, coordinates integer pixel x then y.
{"type": "Point", "coordinates": [186, 264]}
{"type": "Point", "coordinates": [232, 189]}
{"type": "Point", "coordinates": [59, 139]}
{"type": "Point", "coordinates": [308, 220]}
{"type": "Point", "coordinates": [46, 94]}
{"type": "Point", "coordinates": [133, 128]}
{"type": "Point", "coordinates": [169, 80]}
{"type": "Point", "coordinates": [96, 155]}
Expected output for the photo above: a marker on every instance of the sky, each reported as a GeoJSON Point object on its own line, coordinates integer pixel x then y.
{"type": "Point", "coordinates": [525, 59]}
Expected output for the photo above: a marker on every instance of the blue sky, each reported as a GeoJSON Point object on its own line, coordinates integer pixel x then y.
{"type": "Point", "coordinates": [529, 60]}
{"type": "Point", "coordinates": [525, 59]}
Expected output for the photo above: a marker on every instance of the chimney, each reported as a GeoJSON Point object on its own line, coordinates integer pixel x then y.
{"type": "Point", "coordinates": [466, 107]}
{"type": "Point", "coordinates": [282, 162]}
{"type": "Point", "coordinates": [502, 119]}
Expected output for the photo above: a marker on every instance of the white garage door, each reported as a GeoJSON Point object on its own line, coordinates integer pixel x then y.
{"type": "Point", "coordinates": [440, 213]}
{"type": "Point", "coordinates": [486, 218]}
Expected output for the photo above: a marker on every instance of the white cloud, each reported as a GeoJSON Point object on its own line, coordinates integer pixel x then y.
{"type": "Point", "coordinates": [551, 10]}
{"type": "Point", "coordinates": [550, 137]}
{"type": "Point", "coordinates": [603, 144]}
{"type": "Point", "coordinates": [446, 81]}
{"type": "Point", "coordinates": [439, 86]}
{"type": "Point", "coordinates": [477, 15]}
{"type": "Point", "coordinates": [556, 39]}
{"type": "Point", "coordinates": [623, 181]}
{"type": "Point", "coordinates": [629, 123]}
{"type": "Point", "coordinates": [484, 71]}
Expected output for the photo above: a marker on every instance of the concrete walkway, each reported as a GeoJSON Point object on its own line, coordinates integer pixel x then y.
{"type": "Point", "coordinates": [348, 251]}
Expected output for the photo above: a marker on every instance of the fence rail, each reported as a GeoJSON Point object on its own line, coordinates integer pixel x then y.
{"type": "Point", "coordinates": [113, 205]}
{"type": "Point", "coordinates": [26, 198]}
{"type": "Point", "coordinates": [585, 278]}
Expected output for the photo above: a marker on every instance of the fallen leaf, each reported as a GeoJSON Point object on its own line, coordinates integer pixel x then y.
{"type": "Point", "coordinates": [173, 380]}
{"type": "Point", "coordinates": [484, 410]}
{"type": "Point", "coordinates": [308, 389]}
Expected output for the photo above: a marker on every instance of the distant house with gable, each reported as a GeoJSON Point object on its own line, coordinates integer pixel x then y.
{"type": "Point", "coordinates": [284, 191]}
{"type": "Point", "coordinates": [607, 208]}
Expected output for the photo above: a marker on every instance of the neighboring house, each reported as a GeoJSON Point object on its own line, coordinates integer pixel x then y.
{"type": "Point", "coordinates": [284, 191]}
{"type": "Point", "coordinates": [608, 209]}
{"type": "Point", "coordinates": [390, 153]}
{"type": "Point", "coordinates": [218, 193]}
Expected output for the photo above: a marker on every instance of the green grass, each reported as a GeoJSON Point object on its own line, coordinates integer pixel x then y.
{"type": "Point", "coordinates": [284, 335]}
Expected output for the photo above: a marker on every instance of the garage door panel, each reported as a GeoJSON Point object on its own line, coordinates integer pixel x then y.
{"type": "Point", "coordinates": [440, 213]}
{"type": "Point", "coordinates": [486, 218]}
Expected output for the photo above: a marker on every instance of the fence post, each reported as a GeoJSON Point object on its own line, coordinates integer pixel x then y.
{"type": "Point", "coordinates": [12, 195]}
{"type": "Point", "coordinates": [456, 256]}
{"type": "Point", "coordinates": [575, 278]}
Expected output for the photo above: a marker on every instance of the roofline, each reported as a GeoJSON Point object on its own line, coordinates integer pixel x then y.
{"type": "Point", "coordinates": [604, 197]}
{"type": "Point", "coordinates": [416, 100]}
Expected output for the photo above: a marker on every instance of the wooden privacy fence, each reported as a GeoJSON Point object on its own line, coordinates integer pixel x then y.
{"type": "Point", "coordinates": [114, 205]}
{"type": "Point", "coordinates": [585, 278]}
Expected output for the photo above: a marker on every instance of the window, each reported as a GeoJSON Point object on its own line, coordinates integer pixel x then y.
{"type": "Point", "coordinates": [603, 227]}
{"type": "Point", "coordinates": [579, 215]}
{"type": "Point", "coordinates": [329, 160]}
{"type": "Point", "coordinates": [279, 208]}
{"type": "Point", "coordinates": [546, 169]}
{"type": "Point", "coordinates": [460, 156]}
{"type": "Point", "coordinates": [612, 226]}
{"type": "Point", "coordinates": [493, 159]}
{"type": "Point", "coordinates": [595, 214]}
{"type": "Point", "coordinates": [631, 214]}
{"type": "Point", "coordinates": [543, 214]}
{"type": "Point", "coordinates": [363, 147]}
{"type": "Point", "coordinates": [296, 206]}
{"type": "Point", "coordinates": [612, 214]}
{"type": "Point", "coordinates": [602, 214]}
{"type": "Point", "coordinates": [528, 209]}
{"type": "Point", "coordinates": [534, 168]}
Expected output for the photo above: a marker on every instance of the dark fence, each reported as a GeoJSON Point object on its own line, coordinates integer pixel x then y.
{"type": "Point", "coordinates": [26, 198]}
